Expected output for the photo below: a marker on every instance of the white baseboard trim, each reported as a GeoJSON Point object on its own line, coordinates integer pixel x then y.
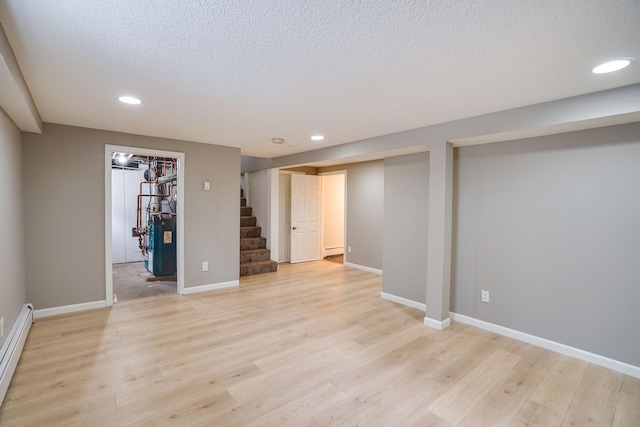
{"type": "Point", "coordinates": [333, 251]}
{"type": "Point", "coordinates": [404, 301]}
{"type": "Point", "coordinates": [212, 287]}
{"type": "Point", "coordinates": [596, 359]}
{"type": "Point", "coordinates": [363, 267]}
{"type": "Point", "coordinates": [54, 311]}
{"type": "Point", "coordinates": [438, 324]}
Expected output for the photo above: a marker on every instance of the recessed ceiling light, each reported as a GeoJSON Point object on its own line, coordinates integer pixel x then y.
{"type": "Point", "coordinates": [130, 100]}
{"type": "Point", "coordinates": [611, 66]}
{"type": "Point", "coordinates": [277, 140]}
{"type": "Point", "coordinates": [317, 138]}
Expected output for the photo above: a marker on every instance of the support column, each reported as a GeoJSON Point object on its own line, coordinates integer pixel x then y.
{"type": "Point", "coordinates": [439, 237]}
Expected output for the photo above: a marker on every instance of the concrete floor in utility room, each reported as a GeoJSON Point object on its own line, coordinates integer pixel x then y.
{"type": "Point", "coordinates": [128, 282]}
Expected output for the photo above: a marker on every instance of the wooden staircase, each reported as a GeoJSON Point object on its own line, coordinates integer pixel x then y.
{"type": "Point", "coordinates": [255, 258]}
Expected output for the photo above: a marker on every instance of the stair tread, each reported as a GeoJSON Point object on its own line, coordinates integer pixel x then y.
{"type": "Point", "coordinates": [248, 239]}
{"type": "Point", "coordinates": [268, 261]}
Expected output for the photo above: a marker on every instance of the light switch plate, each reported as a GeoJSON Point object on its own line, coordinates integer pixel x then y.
{"type": "Point", "coordinates": [207, 186]}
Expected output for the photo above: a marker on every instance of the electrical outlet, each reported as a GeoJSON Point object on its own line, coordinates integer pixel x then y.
{"type": "Point", "coordinates": [485, 296]}
{"type": "Point", "coordinates": [1, 327]}
{"type": "Point", "coordinates": [349, 249]}
{"type": "Point", "coordinates": [205, 266]}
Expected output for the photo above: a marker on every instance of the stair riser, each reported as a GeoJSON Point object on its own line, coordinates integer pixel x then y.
{"type": "Point", "coordinates": [254, 256]}
{"type": "Point", "coordinates": [253, 243]}
{"type": "Point", "coordinates": [263, 255]}
{"type": "Point", "coordinates": [249, 232]}
{"type": "Point", "coordinates": [258, 269]}
{"type": "Point", "coordinates": [248, 221]}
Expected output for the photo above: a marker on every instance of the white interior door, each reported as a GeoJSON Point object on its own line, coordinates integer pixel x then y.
{"type": "Point", "coordinates": [305, 218]}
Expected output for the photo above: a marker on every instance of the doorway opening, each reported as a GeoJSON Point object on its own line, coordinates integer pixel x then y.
{"type": "Point", "coordinates": [144, 223]}
{"type": "Point", "coordinates": [324, 198]}
{"type": "Point", "coordinates": [333, 216]}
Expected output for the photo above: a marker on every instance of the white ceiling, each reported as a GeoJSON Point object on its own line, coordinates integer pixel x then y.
{"type": "Point", "coordinates": [239, 73]}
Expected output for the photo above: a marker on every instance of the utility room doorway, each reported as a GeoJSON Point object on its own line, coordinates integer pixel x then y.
{"type": "Point", "coordinates": [144, 216]}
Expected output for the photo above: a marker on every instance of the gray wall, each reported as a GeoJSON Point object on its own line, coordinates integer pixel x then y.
{"type": "Point", "coordinates": [250, 163]}
{"type": "Point", "coordinates": [406, 206]}
{"type": "Point", "coordinates": [12, 265]}
{"type": "Point", "coordinates": [365, 207]}
{"type": "Point", "coordinates": [551, 227]}
{"type": "Point", "coordinates": [259, 201]}
{"type": "Point", "coordinates": [64, 211]}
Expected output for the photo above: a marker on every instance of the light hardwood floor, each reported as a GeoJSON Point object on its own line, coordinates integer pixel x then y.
{"type": "Point", "coordinates": [310, 345]}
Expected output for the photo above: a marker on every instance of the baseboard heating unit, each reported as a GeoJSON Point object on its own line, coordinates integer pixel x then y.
{"type": "Point", "coordinates": [12, 347]}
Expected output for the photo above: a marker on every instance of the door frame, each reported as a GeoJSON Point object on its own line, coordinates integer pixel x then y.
{"type": "Point", "coordinates": [108, 261]}
{"type": "Point", "coordinates": [286, 256]}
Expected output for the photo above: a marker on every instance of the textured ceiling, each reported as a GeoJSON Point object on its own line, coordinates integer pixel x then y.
{"type": "Point", "coordinates": [239, 73]}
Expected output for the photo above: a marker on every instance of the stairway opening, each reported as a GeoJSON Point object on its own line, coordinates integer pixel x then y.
{"type": "Point", "coordinates": [255, 258]}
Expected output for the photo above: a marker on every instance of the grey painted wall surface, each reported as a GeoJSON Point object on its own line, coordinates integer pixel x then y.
{"type": "Point", "coordinates": [12, 264]}
{"type": "Point", "coordinates": [406, 204]}
{"type": "Point", "coordinates": [250, 163]}
{"type": "Point", "coordinates": [365, 207]}
{"type": "Point", "coordinates": [64, 211]}
{"type": "Point", "coordinates": [551, 227]}
{"type": "Point", "coordinates": [259, 201]}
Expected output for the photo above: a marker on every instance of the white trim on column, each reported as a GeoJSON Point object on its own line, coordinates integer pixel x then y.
{"type": "Point", "coordinates": [438, 324]}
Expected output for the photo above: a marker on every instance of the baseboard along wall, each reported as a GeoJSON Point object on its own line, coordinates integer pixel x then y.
{"type": "Point", "coordinates": [363, 267]}
{"type": "Point", "coordinates": [596, 359]}
{"type": "Point", "coordinates": [64, 309]}
{"type": "Point", "coordinates": [212, 287]}
{"type": "Point", "coordinates": [12, 347]}
{"type": "Point", "coordinates": [54, 311]}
